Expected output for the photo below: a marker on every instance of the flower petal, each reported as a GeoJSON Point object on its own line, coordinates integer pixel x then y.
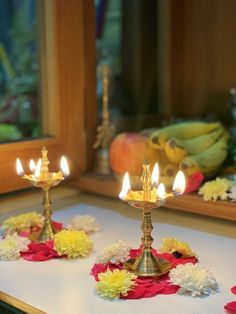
{"type": "Point", "coordinates": [39, 252]}
{"type": "Point", "coordinates": [233, 290]}
{"type": "Point", "coordinates": [102, 268]}
{"type": "Point", "coordinates": [57, 225]}
{"type": "Point", "coordinates": [194, 181]}
{"type": "Point", "coordinates": [230, 307]}
{"type": "Point", "coordinates": [137, 293]}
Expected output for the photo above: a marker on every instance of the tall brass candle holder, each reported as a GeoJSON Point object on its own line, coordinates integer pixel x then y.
{"type": "Point", "coordinates": [151, 196]}
{"type": "Point", "coordinates": [105, 131]}
{"type": "Point", "coordinates": [42, 178]}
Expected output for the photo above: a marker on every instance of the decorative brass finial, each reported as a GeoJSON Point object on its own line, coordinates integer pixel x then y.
{"type": "Point", "coordinates": [146, 179]}
{"type": "Point", "coordinates": [45, 161]}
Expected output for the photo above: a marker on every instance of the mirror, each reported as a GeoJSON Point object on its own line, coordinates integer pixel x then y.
{"type": "Point", "coordinates": [19, 71]}
{"type": "Point", "coordinates": [168, 57]}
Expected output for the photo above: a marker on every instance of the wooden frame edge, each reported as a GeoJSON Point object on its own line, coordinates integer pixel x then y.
{"type": "Point", "coordinates": [18, 304]}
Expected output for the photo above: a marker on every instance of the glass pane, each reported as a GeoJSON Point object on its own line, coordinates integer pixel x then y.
{"type": "Point", "coordinates": [164, 66]}
{"type": "Point", "coordinates": [19, 71]}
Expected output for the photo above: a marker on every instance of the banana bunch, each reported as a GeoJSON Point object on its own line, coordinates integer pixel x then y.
{"type": "Point", "coordinates": [191, 147]}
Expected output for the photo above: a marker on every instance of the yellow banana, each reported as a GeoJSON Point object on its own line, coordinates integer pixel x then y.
{"type": "Point", "coordinates": [200, 143]}
{"type": "Point", "coordinates": [175, 152]}
{"type": "Point", "coordinates": [190, 166]}
{"type": "Point", "coordinates": [182, 131]}
{"type": "Point", "coordinates": [169, 170]}
{"type": "Point", "coordinates": [158, 139]}
{"type": "Point", "coordinates": [212, 157]}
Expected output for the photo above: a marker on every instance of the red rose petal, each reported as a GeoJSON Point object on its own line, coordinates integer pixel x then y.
{"type": "Point", "coordinates": [233, 290]}
{"type": "Point", "coordinates": [57, 225]}
{"type": "Point", "coordinates": [154, 290]}
{"type": "Point", "coordinates": [134, 253]}
{"type": "Point", "coordinates": [147, 287]}
{"type": "Point", "coordinates": [102, 268]}
{"type": "Point", "coordinates": [170, 289]}
{"type": "Point", "coordinates": [39, 252]}
{"type": "Point", "coordinates": [230, 307]}
{"type": "Point", "coordinates": [137, 293]}
{"type": "Point", "coordinates": [193, 182]}
{"type": "Point", "coordinates": [24, 234]}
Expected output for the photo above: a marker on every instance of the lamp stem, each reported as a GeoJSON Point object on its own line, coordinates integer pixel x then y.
{"type": "Point", "coordinates": [147, 229]}
{"type": "Point", "coordinates": [47, 232]}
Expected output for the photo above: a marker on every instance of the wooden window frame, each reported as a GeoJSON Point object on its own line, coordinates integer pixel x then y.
{"type": "Point", "coordinates": [68, 92]}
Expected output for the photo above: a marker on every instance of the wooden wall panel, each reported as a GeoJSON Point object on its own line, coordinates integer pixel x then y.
{"type": "Point", "coordinates": [203, 59]}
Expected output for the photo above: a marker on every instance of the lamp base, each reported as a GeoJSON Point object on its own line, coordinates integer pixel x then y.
{"type": "Point", "coordinates": [46, 233]}
{"type": "Point", "coordinates": [148, 265]}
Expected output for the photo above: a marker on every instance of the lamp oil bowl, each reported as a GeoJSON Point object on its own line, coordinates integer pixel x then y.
{"type": "Point", "coordinates": [151, 196]}
{"type": "Point", "coordinates": [42, 178]}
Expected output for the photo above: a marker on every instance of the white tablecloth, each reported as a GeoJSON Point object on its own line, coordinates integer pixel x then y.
{"type": "Point", "coordinates": [65, 286]}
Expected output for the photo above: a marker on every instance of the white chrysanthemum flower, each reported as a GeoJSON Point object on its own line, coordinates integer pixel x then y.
{"type": "Point", "coordinates": [86, 223]}
{"type": "Point", "coordinates": [193, 279]}
{"type": "Point", "coordinates": [232, 193]}
{"type": "Point", "coordinates": [11, 246]}
{"type": "Point", "coordinates": [115, 253]}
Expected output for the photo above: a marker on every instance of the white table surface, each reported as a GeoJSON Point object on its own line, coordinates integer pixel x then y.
{"type": "Point", "coordinates": [65, 286]}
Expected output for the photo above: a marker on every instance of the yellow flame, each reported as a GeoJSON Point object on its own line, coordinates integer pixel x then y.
{"type": "Point", "coordinates": [125, 186]}
{"type": "Point", "coordinates": [161, 191]}
{"type": "Point", "coordinates": [64, 166]}
{"type": "Point", "coordinates": [38, 168]}
{"type": "Point", "coordinates": [155, 174]}
{"type": "Point", "coordinates": [19, 167]}
{"type": "Point", "coordinates": [179, 183]}
{"type": "Point", "coordinates": [32, 165]}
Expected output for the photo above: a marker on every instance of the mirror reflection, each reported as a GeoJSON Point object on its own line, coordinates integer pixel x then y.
{"type": "Point", "coordinates": [170, 58]}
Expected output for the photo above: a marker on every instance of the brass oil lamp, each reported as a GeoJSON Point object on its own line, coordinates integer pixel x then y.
{"type": "Point", "coordinates": [151, 196]}
{"type": "Point", "coordinates": [41, 177]}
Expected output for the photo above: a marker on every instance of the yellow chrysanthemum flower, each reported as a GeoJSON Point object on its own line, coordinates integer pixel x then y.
{"type": "Point", "coordinates": [112, 284]}
{"type": "Point", "coordinates": [216, 189]}
{"type": "Point", "coordinates": [73, 243]}
{"type": "Point", "coordinates": [172, 245]}
{"type": "Point", "coordinates": [22, 222]}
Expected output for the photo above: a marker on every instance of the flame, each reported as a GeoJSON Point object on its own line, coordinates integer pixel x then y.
{"type": "Point", "coordinates": [38, 168]}
{"type": "Point", "coordinates": [64, 166]}
{"type": "Point", "coordinates": [161, 192]}
{"type": "Point", "coordinates": [19, 167]}
{"type": "Point", "coordinates": [155, 174]}
{"type": "Point", "coordinates": [125, 186]}
{"type": "Point", "coordinates": [179, 183]}
{"type": "Point", "coordinates": [32, 165]}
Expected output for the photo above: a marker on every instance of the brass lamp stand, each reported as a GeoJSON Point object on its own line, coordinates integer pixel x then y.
{"type": "Point", "coordinates": [105, 131]}
{"type": "Point", "coordinates": [45, 180]}
{"type": "Point", "coordinates": [150, 197]}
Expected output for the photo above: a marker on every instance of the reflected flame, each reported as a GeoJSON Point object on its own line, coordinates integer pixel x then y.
{"type": "Point", "coordinates": [161, 192]}
{"type": "Point", "coordinates": [64, 166]}
{"type": "Point", "coordinates": [155, 175]}
{"type": "Point", "coordinates": [32, 165]}
{"type": "Point", "coordinates": [125, 186]}
{"type": "Point", "coordinates": [38, 168]}
{"type": "Point", "coordinates": [19, 167]}
{"type": "Point", "coordinates": [179, 183]}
